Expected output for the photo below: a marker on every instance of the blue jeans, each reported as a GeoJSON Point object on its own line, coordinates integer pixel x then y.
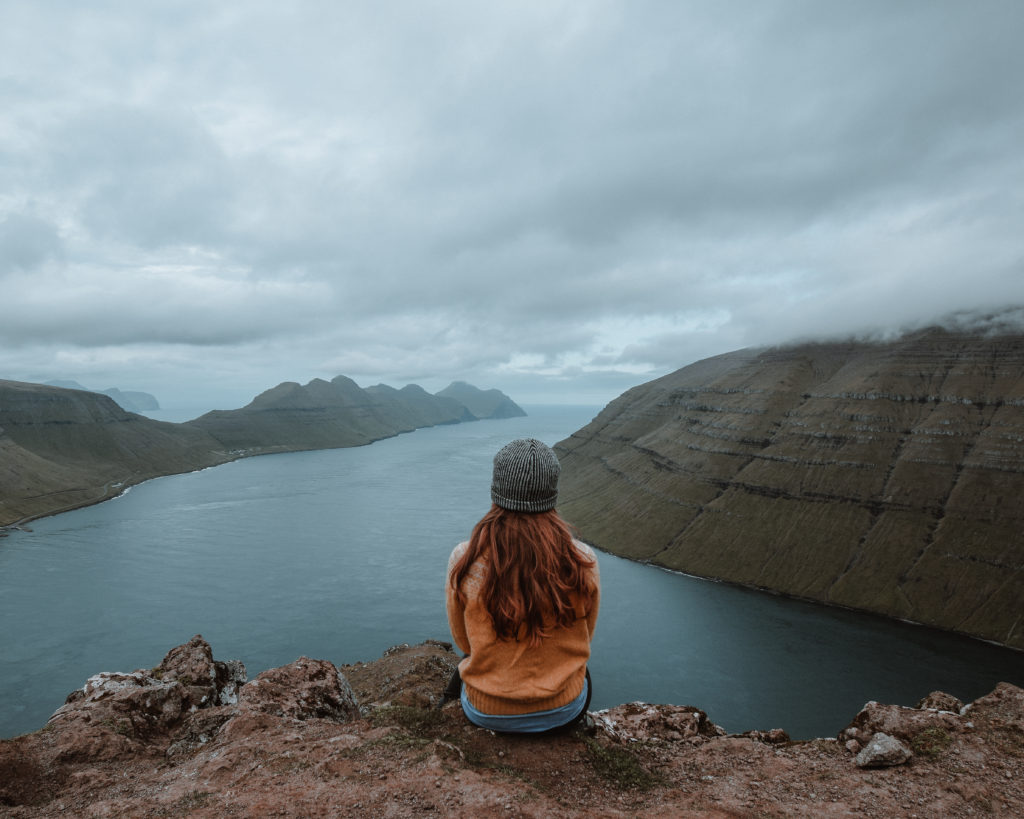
{"type": "Point", "coordinates": [534, 722]}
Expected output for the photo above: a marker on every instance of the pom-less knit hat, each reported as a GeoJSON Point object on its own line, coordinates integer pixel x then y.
{"type": "Point", "coordinates": [525, 476]}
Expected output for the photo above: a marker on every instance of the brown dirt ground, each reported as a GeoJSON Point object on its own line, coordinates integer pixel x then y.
{"type": "Point", "coordinates": [406, 757]}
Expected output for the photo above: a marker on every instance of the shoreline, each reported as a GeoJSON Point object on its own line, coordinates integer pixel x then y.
{"type": "Point", "coordinates": [812, 601]}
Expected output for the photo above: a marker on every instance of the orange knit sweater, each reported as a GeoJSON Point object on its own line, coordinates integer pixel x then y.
{"type": "Point", "coordinates": [508, 676]}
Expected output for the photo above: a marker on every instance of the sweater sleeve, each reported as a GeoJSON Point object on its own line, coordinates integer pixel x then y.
{"type": "Point", "coordinates": [456, 611]}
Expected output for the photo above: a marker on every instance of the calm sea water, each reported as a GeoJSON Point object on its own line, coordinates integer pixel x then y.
{"type": "Point", "coordinates": [339, 554]}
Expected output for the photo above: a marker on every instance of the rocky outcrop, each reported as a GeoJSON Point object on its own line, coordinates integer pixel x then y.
{"type": "Point", "coordinates": [188, 738]}
{"type": "Point", "coordinates": [883, 477]}
{"type": "Point", "coordinates": [115, 714]}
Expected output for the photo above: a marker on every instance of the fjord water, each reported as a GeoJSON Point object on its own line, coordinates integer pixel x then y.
{"type": "Point", "coordinates": [339, 554]}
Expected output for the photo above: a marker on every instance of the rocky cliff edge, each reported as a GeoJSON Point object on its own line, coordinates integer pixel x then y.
{"type": "Point", "coordinates": [191, 737]}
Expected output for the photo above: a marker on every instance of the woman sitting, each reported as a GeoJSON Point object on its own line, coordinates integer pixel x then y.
{"type": "Point", "coordinates": [522, 598]}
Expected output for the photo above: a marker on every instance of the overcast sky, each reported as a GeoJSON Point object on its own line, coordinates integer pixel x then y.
{"type": "Point", "coordinates": [558, 199]}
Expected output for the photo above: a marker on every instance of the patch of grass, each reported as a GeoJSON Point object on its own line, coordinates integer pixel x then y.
{"type": "Point", "coordinates": [620, 767]}
{"type": "Point", "coordinates": [288, 763]}
{"type": "Point", "coordinates": [122, 726]}
{"type": "Point", "coordinates": [931, 743]}
{"type": "Point", "coordinates": [193, 799]}
{"type": "Point", "coordinates": [475, 758]}
{"type": "Point", "coordinates": [399, 740]}
{"type": "Point", "coordinates": [829, 747]}
{"type": "Point", "coordinates": [416, 720]}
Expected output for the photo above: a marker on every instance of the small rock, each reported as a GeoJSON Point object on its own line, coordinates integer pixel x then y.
{"type": "Point", "coordinates": [642, 722]}
{"type": "Point", "coordinates": [941, 701]}
{"type": "Point", "coordinates": [883, 751]}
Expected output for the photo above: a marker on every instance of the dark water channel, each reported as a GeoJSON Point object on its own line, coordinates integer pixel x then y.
{"type": "Point", "coordinates": [339, 554]}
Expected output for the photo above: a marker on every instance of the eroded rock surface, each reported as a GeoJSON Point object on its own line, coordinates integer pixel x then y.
{"type": "Point", "coordinates": [294, 744]}
{"type": "Point", "coordinates": [116, 714]}
{"type": "Point", "coordinates": [305, 689]}
{"type": "Point", "coordinates": [883, 751]}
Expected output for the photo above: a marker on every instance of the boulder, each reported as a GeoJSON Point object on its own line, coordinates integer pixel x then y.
{"type": "Point", "coordinates": [883, 751]}
{"type": "Point", "coordinates": [898, 721]}
{"type": "Point", "coordinates": [303, 690]}
{"type": "Point", "coordinates": [209, 681]}
{"type": "Point", "coordinates": [405, 675]}
{"type": "Point", "coordinates": [941, 701]}
{"type": "Point", "coordinates": [116, 713]}
{"type": "Point", "coordinates": [642, 722]}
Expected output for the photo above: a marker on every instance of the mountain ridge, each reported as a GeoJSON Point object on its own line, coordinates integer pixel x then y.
{"type": "Point", "coordinates": [65, 448]}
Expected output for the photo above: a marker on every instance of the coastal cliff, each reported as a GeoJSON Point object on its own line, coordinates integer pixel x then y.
{"type": "Point", "coordinates": [65, 448]}
{"type": "Point", "coordinates": [192, 737]}
{"type": "Point", "coordinates": [883, 477]}
{"type": "Point", "coordinates": [61, 449]}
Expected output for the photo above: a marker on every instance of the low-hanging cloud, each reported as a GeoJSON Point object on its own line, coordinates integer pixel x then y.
{"type": "Point", "coordinates": [562, 198]}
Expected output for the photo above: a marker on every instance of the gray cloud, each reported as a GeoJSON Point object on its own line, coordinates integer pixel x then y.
{"type": "Point", "coordinates": [562, 199]}
{"type": "Point", "coordinates": [27, 242]}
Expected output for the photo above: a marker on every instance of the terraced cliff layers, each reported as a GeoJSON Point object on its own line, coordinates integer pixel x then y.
{"type": "Point", "coordinates": [884, 477]}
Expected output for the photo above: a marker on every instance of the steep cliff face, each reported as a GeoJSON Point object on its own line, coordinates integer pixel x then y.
{"type": "Point", "coordinates": [885, 477]}
{"type": "Point", "coordinates": [64, 448]}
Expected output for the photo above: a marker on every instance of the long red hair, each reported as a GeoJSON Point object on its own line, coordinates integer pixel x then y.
{"type": "Point", "coordinates": [533, 573]}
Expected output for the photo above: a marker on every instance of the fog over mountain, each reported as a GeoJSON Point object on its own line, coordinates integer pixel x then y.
{"type": "Point", "coordinates": [562, 199]}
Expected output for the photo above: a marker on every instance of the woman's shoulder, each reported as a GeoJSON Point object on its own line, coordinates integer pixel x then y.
{"type": "Point", "coordinates": [457, 552]}
{"type": "Point", "coordinates": [585, 549]}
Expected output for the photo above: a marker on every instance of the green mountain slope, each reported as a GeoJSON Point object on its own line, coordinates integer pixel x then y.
{"type": "Point", "coordinates": [323, 414]}
{"type": "Point", "coordinates": [884, 477]}
{"type": "Point", "coordinates": [62, 448]}
{"type": "Point", "coordinates": [482, 403]}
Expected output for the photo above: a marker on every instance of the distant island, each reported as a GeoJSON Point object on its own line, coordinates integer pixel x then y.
{"type": "Point", "coordinates": [62, 448]}
{"type": "Point", "coordinates": [131, 400]}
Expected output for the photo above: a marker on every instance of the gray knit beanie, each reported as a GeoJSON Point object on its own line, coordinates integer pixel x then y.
{"type": "Point", "coordinates": [525, 476]}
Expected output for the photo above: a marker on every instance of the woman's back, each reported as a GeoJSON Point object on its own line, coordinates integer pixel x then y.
{"type": "Point", "coordinates": [523, 597]}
